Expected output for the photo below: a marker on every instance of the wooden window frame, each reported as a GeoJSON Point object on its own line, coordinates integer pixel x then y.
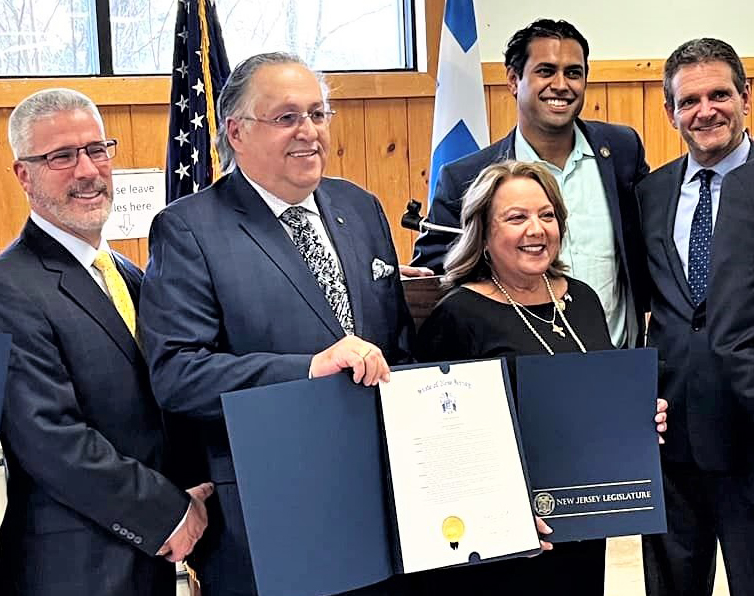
{"type": "Point", "coordinates": [155, 89]}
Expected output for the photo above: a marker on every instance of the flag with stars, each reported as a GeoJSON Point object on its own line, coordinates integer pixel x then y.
{"type": "Point", "coordinates": [460, 120]}
{"type": "Point", "coordinates": [200, 69]}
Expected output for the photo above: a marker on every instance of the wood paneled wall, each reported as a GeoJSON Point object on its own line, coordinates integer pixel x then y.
{"type": "Point", "coordinates": [380, 136]}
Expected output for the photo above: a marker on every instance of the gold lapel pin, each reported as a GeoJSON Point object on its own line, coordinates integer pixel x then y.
{"type": "Point", "coordinates": [604, 152]}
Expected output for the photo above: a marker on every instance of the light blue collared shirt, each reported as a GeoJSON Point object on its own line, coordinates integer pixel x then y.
{"type": "Point", "coordinates": [589, 247]}
{"type": "Point", "coordinates": [82, 251]}
{"type": "Point", "coordinates": [689, 197]}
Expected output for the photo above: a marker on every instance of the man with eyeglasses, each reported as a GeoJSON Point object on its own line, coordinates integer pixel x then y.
{"type": "Point", "coordinates": [274, 273]}
{"type": "Point", "coordinates": [90, 510]}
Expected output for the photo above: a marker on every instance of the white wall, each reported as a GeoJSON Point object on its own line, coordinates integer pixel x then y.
{"type": "Point", "coordinates": [621, 29]}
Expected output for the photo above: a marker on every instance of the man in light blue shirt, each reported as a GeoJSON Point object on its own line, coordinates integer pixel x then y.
{"type": "Point", "coordinates": [588, 247]}
{"type": "Point", "coordinates": [597, 166]}
{"type": "Point", "coordinates": [706, 461]}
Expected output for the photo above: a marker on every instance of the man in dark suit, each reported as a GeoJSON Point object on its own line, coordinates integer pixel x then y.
{"type": "Point", "coordinates": [89, 510]}
{"type": "Point", "coordinates": [707, 455]}
{"type": "Point", "coordinates": [273, 273]}
{"type": "Point", "coordinates": [597, 166]}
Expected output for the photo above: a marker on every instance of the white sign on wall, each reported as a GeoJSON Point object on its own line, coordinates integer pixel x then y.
{"type": "Point", "coordinates": [138, 195]}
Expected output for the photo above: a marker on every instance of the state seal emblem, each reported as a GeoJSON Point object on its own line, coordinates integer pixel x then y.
{"type": "Point", "coordinates": [544, 504]}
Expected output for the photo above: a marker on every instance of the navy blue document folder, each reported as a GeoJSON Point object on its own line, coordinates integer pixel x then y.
{"type": "Point", "coordinates": [5, 345]}
{"type": "Point", "coordinates": [308, 460]}
{"type": "Point", "coordinates": [590, 442]}
{"type": "Point", "coordinates": [315, 486]}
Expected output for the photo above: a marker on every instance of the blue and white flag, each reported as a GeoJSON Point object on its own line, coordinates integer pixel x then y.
{"type": "Point", "coordinates": [460, 121]}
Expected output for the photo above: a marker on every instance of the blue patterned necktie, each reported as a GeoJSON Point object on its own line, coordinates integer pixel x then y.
{"type": "Point", "coordinates": [321, 263]}
{"type": "Point", "coordinates": [700, 239]}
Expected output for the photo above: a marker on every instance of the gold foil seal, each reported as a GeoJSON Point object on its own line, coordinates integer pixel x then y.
{"type": "Point", "coordinates": [453, 530]}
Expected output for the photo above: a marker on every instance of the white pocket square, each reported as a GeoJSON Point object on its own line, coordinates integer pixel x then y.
{"type": "Point", "coordinates": [381, 269]}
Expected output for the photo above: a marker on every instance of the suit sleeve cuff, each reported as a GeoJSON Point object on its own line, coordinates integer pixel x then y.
{"type": "Point", "coordinates": [179, 526]}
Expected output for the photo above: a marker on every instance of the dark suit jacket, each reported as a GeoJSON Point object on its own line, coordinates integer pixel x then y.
{"type": "Point", "coordinates": [705, 425]}
{"type": "Point", "coordinates": [620, 171]}
{"type": "Point", "coordinates": [228, 303]}
{"type": "Point", "coordinates": [730, 306]}
{"type": "Point", "coordinates": [83, 437]}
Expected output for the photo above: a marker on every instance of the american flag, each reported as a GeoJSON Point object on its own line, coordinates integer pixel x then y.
{"type": "Point", "coordinates": [200, 68]}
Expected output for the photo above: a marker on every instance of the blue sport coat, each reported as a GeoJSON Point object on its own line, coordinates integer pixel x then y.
{"type": "Point", "coordinates": [228, 303]}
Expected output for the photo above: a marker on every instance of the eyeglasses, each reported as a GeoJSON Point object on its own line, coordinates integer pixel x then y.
{"type": "Point", "coordinates": [318, 117]}
{"type": "Point", "coordinates": [62, 159]}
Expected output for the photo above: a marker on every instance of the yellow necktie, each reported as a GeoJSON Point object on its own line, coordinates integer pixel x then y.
{"type": "Point", "coordinates": [117, 288]}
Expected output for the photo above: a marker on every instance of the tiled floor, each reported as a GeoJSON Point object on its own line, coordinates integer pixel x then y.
{"type": "Point", "coordinates": [623, 578]}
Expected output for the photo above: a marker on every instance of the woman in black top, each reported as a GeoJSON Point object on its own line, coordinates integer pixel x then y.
{"type": "Point", "coordinates": [510, 297]}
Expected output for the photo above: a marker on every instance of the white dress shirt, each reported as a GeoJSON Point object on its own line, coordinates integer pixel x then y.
{"type": "Point", "coordinates": [278, 206]}
{"type": "Point", "coordinates": [82, 251]}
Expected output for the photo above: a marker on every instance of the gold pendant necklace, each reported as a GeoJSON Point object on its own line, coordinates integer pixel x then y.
{"type": "Point", "coordinates": [558, 307]}
{"type": "Point", "coordinates": [554, 327]}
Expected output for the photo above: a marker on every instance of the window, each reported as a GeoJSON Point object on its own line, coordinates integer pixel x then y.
{"type": "Point", "coordinates": [142, 36]}
{"type": "Point", "coordinates": [48, 37]}
{"type": "Point", "coordinates": [70, 37]}
{"type": "Point", "coordinates": [327, 34]}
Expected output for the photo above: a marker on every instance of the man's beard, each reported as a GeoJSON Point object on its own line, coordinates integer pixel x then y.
{"type": "Point", "coordinates": [90, 220]}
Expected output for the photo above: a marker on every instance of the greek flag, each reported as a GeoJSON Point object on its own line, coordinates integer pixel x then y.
{"type": "Point", "coordinates": [460, 121]}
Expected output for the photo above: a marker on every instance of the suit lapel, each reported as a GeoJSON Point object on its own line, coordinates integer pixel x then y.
{"type": "Point", "coordinates": [263, 228]}
{"type": "Point", "coordinates": [673, 182]}
{"type": "Point", "coordinates": [603, 153]}
{"type": "Point", "coordinates": [78, 285]}
{"type": "Point", "coordinates": [507, 147]}
{"type": "Point", "coordinates": [672, 190]}
{"type": "Point", "coordinates": [336, 222]}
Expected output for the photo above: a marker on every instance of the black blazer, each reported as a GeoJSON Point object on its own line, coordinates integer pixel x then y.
{"type": "Point", "coordinates": [87, 505]}
{"type": "Point", "coordinates": [730, 310]}
{"type": "Point", "coordinates": [705, 423]}
{"type": "Point", "coordinates": [620, 159]}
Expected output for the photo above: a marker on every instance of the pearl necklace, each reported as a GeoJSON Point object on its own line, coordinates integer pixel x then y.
{"type": "Point", "coordinates": [557, 308]}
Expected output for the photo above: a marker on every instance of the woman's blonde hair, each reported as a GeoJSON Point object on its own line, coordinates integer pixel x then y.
{"type": "Point", "coordinates": [465, 260]}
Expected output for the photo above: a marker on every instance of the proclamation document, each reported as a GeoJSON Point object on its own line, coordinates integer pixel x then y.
{"type": "Point", "coordinates": [459, 485]}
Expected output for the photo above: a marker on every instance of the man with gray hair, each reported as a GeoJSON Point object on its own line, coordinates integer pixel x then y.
{"type": "Point", "coordinates": [273, 273]}
{"type": "Point", "coordinates": [89, 509]}
{"type": "Point", "coordinates": [707, 459]}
